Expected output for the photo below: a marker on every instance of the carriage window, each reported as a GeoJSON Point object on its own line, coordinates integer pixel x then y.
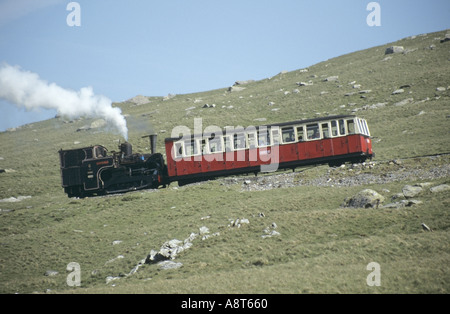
{"type": "Point", "coordinates": [203, 147]}
{"type": "Point", "coordinates": [334, 129]}
{"type": "Point", "coordinates": [351, 126]}
{"type": "Point", "coordinates": [239, 141]}
{"type": "Point", "coordinates": [178, 150]}
{"type": "Point", "coordinates": [300, 134]}
{"type": "Point", "coordinates": [251, 140]}
{"type": "Point", "coordinates": [276, 136]}
{"type": "Point", "coordinates": [341, 127]}
{"type": "Point", "coordinates": [313, 131]}
{"type": "Point", "coordinates": [215, 145]}
{"type": "Point", "coordinates": [325, 131]}
{"type": "Point", "coordinates": [190, 147]}
{"type": "Point", "coordinates": [228, 143]}
{"type": "Point", "coordinates": [288, 134]}
{"type": "Point", "coordinates": [264, 138]}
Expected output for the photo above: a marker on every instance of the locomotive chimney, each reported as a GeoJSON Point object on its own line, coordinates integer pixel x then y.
{"type": "Point", "coordinates": [126, 149]}
{"type": "Point", "coordinates": [152, 138]}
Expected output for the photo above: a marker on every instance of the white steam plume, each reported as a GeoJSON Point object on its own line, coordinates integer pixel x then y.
{"type": "Point", "coordinates": [24, 88]}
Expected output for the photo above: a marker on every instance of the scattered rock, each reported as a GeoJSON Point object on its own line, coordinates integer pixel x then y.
{"type": "Point", "coordinates": [270, 232]}
{"type": "Point", "coordinates": [109, 279]}
{"type": "Point", "coordinates": [169, 250]}
{"type": "Point", "coordinates": [14, 199]}
{"type": "Point", "coordinates": [233, 89]}
{"type": "Point", "coordinates": [425, 227]}
{"type": "Point", "coordinates": [305, 83]}
{"type": "Point", "coordinates": [243, 82]}
{"type": "Point", "coordinates": [398, 91]}
{"type": "Point", "coordinates": [204, 230]}
{"type": "Point", "coordinates": [139, 100]}
{"type": "Point", "coordinates": [331, 78]}
{"type": "Point", "coordinates": [238, 222]}
{"type": "Point", "coordinates": [51, 273]}
{"type": "Point", "coordinates": [411, 190]}
{"type": "Point", "coordinates": [403, 203]}
{"type": "Point", "coordinates": [169, 96]}
{"type": "Point", "coordinates": [441, 89]}
{"type": "Point", "coordinates": [404, 102]}
{"type": "Point", "coordinates": [165, 265]}
{"type": "Point", "coordinates": [446, 38]}
{"type": "Point", "coordinates": [409, 50]}
{"type": "Point", "coordinates": [394, 49]}
{"type": "Point", "coordinates": [365, 199]}
{"type": "Point", "coordinates": [440, 188]}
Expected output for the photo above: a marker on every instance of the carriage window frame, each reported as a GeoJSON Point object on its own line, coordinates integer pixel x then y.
{"type": "Point", "coordinates": [334, 128]}
{"type": "Point", "coordinates": [291, 136]}
{"type": "Point", "coordinates": [342, 130]}
{"type": "Point", "coordinates": [251, 140]}
{"type": "Point", "coordinates": [179, 149]}
{"type": "Point", "coordinates": [276, 138]}
{"type": "Point", "coordinates": [218, 142]}
{"type": "Point", "coordinates": [300, 133]}
{"type": "Point", "coordinates": [228, 144]}
{"type": "Point", "coordinates": [351, 126]}
{"type": "Point", "coordinates": [313, 131]}
{"type": "Point", "coordinates": [243, 141]}
{"type": "Point", "coordinates": [266, 135]}
{"type": "Point", "coordinates": [325, 132]}
{"type": "Point", "coordinates": [193, 145]}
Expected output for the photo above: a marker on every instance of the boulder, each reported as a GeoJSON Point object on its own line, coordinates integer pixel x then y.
{"type": "Point", "coordinates": [446, 38]}
{"type": "Point", "coordinates": [365, 199]}
{"type": "Point", "coordinates": [440, 188]}
{"type": "Point", "coordinates": [51, 273]}
{"type": "Point", "coordinates": [411, 190]}
{"type": "Point", "coordinates": [331, 78]}
{"type": "Point", "coordinates": [244, 82]}
{"type": "Point", "coordinates": [139, 100]}
{"type": "Point", "coordinates": [233, 89]}
{"type": "Point", "coordinates": [165, 265]}
{"type": "Point", "coordinates": [398, 91]}
{"type": "Point", "coordinates": [394, 49]}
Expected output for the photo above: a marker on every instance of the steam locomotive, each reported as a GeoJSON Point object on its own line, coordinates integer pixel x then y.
{"type": "Point", "coordinates": [331, 140]}
{"type": "Point", "coordinates": [91, 171]}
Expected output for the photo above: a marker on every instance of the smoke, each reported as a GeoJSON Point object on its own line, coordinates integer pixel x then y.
{"type": "Point", "coordinates": [26, 89]}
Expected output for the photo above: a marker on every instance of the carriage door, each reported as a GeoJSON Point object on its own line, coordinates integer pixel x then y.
{"type": "Point", "coordinates": [326, 140]}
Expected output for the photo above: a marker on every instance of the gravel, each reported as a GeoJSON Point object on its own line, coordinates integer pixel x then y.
{"type": "Point", "coordinates": [346, 175]}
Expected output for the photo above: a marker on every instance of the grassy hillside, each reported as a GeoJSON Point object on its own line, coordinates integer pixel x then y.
{"type": "Point", "coordinates": [321, 247]}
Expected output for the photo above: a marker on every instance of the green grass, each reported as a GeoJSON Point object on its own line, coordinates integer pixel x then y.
{"type": "Point", "coordinates": [322, 248]}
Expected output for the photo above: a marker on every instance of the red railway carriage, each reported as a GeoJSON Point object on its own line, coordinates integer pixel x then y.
{"type": "Point", "coordinates": [333, 140]}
